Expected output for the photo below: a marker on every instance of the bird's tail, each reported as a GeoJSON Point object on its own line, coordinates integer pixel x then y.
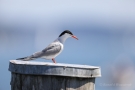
{"type": "Point", "coordinates": [26, 58]}
{"type": "Point", "coordinates": [32, 57]}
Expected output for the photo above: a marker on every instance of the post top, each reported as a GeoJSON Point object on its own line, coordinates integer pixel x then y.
{"type": "Point", "coordinates": [52, 64]}
{"type": "Point", "coordinates": [48, 68]}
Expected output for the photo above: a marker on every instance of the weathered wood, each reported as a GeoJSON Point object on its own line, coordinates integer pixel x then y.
{"type": "Point", "coordinates": [43, 82]}
{"type": "Point", "coordinates": [49, 76]}
{"type": "Point", "coordinates": [44, 68]}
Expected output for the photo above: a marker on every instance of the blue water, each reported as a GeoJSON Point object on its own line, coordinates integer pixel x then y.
{"type": "Point", "coordinates": [93, 48]}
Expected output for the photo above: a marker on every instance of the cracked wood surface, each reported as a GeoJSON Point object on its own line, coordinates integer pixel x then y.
{"type": "Point", "coordinates": [46, 82]}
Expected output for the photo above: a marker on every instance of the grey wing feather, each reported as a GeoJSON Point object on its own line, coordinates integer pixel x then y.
{"type": "Point", "coordinates": [52, 49]}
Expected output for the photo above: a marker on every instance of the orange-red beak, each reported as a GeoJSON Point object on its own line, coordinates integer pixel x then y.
{"type": "Point", "coordinates": [74, 37]}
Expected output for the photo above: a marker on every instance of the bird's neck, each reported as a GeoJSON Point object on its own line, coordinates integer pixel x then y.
{"type": "Point", "coordinates": [62, 39]}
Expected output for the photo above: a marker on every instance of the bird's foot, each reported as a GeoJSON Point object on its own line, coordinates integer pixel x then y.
{"type": "Point", "coordinates": [54, 60]}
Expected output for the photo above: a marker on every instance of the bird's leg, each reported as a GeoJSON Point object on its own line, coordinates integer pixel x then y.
{"type": "Point", "coordinates": [53, 60]}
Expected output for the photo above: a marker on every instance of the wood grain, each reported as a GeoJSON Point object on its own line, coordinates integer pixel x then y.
{"type": "Point", "coordinates": [46, 82]}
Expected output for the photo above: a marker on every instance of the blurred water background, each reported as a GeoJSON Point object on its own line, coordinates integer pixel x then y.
{"type": "Point", "coordinates": [105, 28]}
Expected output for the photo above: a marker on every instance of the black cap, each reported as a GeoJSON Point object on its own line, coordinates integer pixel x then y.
{"type": "Point", "coordinates": [66, 31]}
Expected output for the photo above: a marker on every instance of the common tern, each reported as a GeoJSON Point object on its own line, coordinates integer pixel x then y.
{"type": "Point", "coordinates": [53, 49]}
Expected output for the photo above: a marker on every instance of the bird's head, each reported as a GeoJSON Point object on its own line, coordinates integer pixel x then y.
{"type": "Point", "coordinates": [67, 34]}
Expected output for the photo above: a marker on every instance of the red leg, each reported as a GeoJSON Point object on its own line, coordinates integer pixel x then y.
{"type": "Point", "coordinates": [53, 60]}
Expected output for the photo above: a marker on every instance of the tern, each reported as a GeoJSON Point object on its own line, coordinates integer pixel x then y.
{"type": "Point", "coordinates": [53, 49]}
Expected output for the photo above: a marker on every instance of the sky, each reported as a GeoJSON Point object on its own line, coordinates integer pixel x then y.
{"type": "Point", "coordinates": [106, 32]}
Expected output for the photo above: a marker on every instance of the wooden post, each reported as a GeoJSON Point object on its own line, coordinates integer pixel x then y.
{"type": "Point", "coordinates": [30, 75]}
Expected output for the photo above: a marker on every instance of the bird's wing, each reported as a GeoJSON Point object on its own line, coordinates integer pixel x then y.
{"type": "Point", "coordinates": [52, 49]}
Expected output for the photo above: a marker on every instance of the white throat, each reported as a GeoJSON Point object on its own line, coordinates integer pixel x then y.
{"type": "Point", "coordinates": [63, 38]}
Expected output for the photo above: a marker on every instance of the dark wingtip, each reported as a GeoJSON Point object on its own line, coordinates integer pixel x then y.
{"type": "Point", "coordinates": [20, 58]}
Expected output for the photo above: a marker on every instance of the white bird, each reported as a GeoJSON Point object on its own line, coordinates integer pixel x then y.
{"type": "Point", "coordinates": [53, 49]}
